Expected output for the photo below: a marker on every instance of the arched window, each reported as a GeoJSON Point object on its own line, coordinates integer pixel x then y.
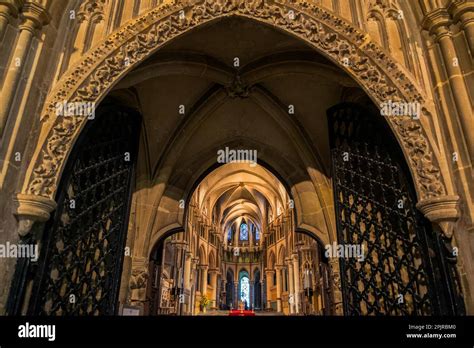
{"type": "Point", "coordinates": [244, 231]}
{"type": "Point", "coordinates": [229, 234]}
{"type": "Point", "coordinates": [257, 233]}
{"type": "Point", "coordinates": [245, 290]}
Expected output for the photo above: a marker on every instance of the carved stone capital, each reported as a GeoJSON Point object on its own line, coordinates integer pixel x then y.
{"type": "Point", "coordinates": [443, 211]}
{"type": "Point", "coordinates": [180, 244]}
{"type": "Point", "coordinates": [139, 278]}
{"type": "Point", "coordinates": [461, 11]}
{"type": "Point", "coordinates": [30, 209]}
{"type": "Point", "coordinates": [437, 23]}
{"type": "Point", "coordinates": [35, 13]}
{"type": "Point", "coordinates": [11, 7]}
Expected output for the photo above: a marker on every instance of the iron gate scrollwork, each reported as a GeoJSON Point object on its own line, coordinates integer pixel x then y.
{"type": "Point", "coordinates": [403, 270]}
{"type": "Point", "coordinates": [82, 248]}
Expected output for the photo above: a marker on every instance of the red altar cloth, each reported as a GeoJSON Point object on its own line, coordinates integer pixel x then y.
{"type": "Point", "coordinates": [241, 313]}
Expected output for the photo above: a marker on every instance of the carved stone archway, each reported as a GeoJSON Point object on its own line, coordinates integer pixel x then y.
{"type": "Point", "coordinates": [101, 69]}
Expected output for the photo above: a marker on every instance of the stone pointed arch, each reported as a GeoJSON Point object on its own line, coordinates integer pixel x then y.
{"type": "Point", "coordinates": [101, 69]}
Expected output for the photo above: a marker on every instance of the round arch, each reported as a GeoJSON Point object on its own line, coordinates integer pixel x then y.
{"type": "Point", "coordinates": [104, 66]}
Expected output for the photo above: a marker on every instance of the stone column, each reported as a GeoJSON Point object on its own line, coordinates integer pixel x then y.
{"type": "Point", "coordinates": [296, 277]}
{"type": "Point", "coordinates": [236, 299]}
{"type": "Point", "coordinates": [279, 286]}
{"type": "Point", "coordinates": [223, 293]}
{"type": "Point", "coordinates": [138, 282]}
{"type": "Point", "coordinates": [187, 271]}
{"type": "Point", "coordinates": [213, 272]}
{"type": "Point", "coordinates": [8, 9]}
{"type": "Point", "coordinates": [291, 285]}
{"type": "Point", "coordinates": [187, 281]}
{"type": "Point", "coordinates": [33, 18]}
{"type": "Point", "coordinates": [235, 239]}
{"type": "Point", "coordinates": [203, 289]}
{"type": "Point", "coordinates": [269, 282]}
{"type": "Point", "coordinates": [438, 22]}
{"type": "Point", "coordinates": [336, 287]}
{"type": "Point", "coordinates": [250, 305]}
{"type": "Point", "coordinates": [193, 285]}
{"type": "Point", "coordinates": [463, 11]}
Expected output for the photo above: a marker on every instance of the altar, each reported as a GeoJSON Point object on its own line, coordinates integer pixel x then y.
{"type": "Point", "coordinates": [241, 313]}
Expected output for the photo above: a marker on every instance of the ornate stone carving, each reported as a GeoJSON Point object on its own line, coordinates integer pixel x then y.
{"type": "Point", "coordinates": [97, 72]}
{"type": "Point", "coordinates": [336, 286]}
{"type": "Point", "coordinates": [237, 88]}
{"type": "Point", "coordinates": [139, 279]}
{"type": "Point", "coordinates": [32, 208]}
{"type": "Point", "coordinates": [385, 8]}
{"type": "Point", "coordinates": [92, 10]}
{"type": "Point", "coordinates": [443, 211]}
{"type": "Point", "coordinates": [335, 275]}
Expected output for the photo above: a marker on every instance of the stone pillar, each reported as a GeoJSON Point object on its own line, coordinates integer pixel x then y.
{"type": "Point", "coordinates": [235, 239]}
{"type": "Point", "coordinates": [138, 282]}
{"type": "Point", "coordinates": [291, 285]}
{"type": "Point", "coordinates": [8, 9]}
{"type": "Point", "coordinates": [193, 285]}
{"type": "Point", "coordinates": [269, 282]}
{"type": "Point", "coordinates": [187, 281]}
{"type": "Point", "coordinates": [279, 286]}
{"type": "Point", "coordinates": [463, 11]}
{"type": "Point", "coordinates": [250, 305]}
{"type": "Point", "coordinates": [203, 289]}
{"type": "Point", "coordinates": [223, 293]}
{"type": "Point", "coordinates": [438, 22]}
{"type": "Point", "coordinates": [213, 272]}
{"type": "Point", "coordinates": [187, 271]}
{"type": "Point", "coordinates": [33, 17]}
{"type": "Point", "coordinates": [236, 299]}
{"type": "Point", "coordinates": [296, 277]}
{"type": "Point", "coordinates": [336, 287]}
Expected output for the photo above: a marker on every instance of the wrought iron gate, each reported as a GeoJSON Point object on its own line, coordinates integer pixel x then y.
{"type": "Point", "coordinates": [404, 269]}
{"type": "Point", "coordinates": [82, 248]}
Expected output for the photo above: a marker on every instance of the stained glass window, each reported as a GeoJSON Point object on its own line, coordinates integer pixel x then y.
{"type": "Point", "coordinates": [244, 231]}
{"type": "Point", "coordinates": [257, 234]}
{"type": "Point", "coordinates": [229, 235]}
{"type": "Point", "coordinates": [245, 290]}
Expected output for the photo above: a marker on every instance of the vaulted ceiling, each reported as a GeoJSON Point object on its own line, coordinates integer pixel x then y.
{"type": "Point", "coordinates": [237, 190]}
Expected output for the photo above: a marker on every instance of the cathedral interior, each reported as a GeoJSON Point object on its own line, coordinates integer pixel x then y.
{"type": "Point", "coordinates": [237, 160]}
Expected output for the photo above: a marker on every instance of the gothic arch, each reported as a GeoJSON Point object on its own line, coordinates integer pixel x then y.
{"type": "Point", "coordinates": [281, 255]}
{"type": "Point", "coordinates": [271, 260]}
{"type": "Point", "coordinates": [212, 260]}
{"type": "Point", "coordinates": [103, 67]}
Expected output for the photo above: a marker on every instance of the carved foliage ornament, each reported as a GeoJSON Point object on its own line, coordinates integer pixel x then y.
{"type": "Point", "coordinates": [91, 79]}
{"type": "Point", "coordinates": [138, 279]}
{"type": "Point", "coordinates": [92, 10]}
